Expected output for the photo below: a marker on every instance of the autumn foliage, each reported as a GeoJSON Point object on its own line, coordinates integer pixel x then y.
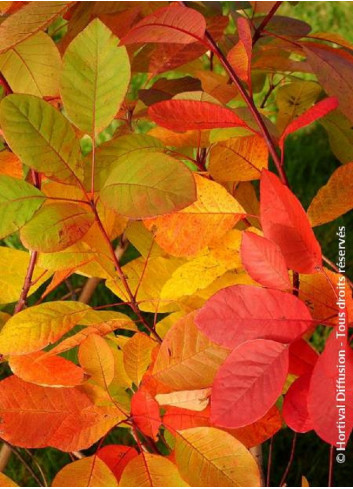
{"type": "Point", "coordinates": [144, 148]}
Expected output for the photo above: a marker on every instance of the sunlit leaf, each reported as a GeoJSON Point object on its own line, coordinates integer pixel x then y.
{"type": "Point", "coordinates": [97, 359]}
{"type": "Point", "coordinates": [87, 472]}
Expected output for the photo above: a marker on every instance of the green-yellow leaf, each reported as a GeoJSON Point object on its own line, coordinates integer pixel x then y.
{"type": "Point", "coordinates": [33, 66]}
{"type": "Point", "coordinates": [340, 135]}
{"type": "Point", "coordinates": [213, 458]}
{"type": "Point", "coordinates": [56, 226]}
{"type": "Point", "coordinates": [333, 199]}
{"type": "Point", "coordinates": [18, 202]}
{"type": "Point", "coordinates": [86, 472]}
{"type": "Point", "coordinates": [149, 184]}
{"type": "Point", "coordinates": [16, 262]}
{"type": "Point", "coordinates": [187, 359]}
{"type": "Point", "coordinates": [39, 326]}
{"type": "Point", "coordinates": [95, 78]}
{"type": "Point", "coordinates": [97, 359]}
{"type": "Point", "coordinates": [149, 470]}
{"type": "Point", "coordinates": [41, 137]}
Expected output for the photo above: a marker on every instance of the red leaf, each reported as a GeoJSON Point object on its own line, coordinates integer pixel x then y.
{"type": "Point", "coordinates": [145, 413]}
{"type": "Point", "coordinates": [319, 110]}
{"type": "Point", "coordinates": [302, 357]}
{"type": "Point", "coordinates": [183, 115]}
{"type": "Point", "coordinates": [285, 222]}
{"type": "Point", "coordinates": [117, 457]}
{"type": "Point", "coordinates": [295, 407]}
{"type": "Point", "coordinates": [244, 312]}
{"type": "Point", "coordinates": [264, 261]}
{"type": "Point", "coordinates": [248, 383]}
{"type": "Point", "coordinates": [175, 24]}
{"type": "Point", "coordinates": [322, 398]}
{"type": "Point", "coordinates": [182, 419]}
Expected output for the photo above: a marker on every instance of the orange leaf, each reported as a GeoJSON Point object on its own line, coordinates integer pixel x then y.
{"type": "Point", "coordinates": [145, 413]}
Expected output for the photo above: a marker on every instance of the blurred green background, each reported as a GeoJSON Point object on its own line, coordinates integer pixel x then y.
{"type": "Point", "coordinates": [309, 163]}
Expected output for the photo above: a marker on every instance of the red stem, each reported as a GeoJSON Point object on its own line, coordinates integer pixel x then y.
{"type": "Point", "coordinates": [264, 23]}
{"type": "Point", "coordinates": [330, 472]}
{"type": "Point", "coordinates": [290, 461]}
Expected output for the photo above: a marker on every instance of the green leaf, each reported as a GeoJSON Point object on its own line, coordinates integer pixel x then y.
{"type": "Point", "coordinates": [18, 202]}
{"type": "Point", "coordinates": [33, 66]}
{"type": "Point", "coordinates": [41, 137]}
{"type": "Point", "coordinates": [110, 154]}
{"type": "Point", "coordinates": [95, 78]}
{"type": "Point", "coordinates": [340, 135]}
{"type": "Point", "coordinates": [56, 227]}
{"type": "Point", "coordinates": [148, 185]}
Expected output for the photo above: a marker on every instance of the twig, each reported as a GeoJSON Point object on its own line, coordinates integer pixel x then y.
{"type": "Point", "coordinates": [269, 463]}
{"type": "Point", "coordinates": [290, 461]}
{"type": "Point", "coordinates": [264, 23]}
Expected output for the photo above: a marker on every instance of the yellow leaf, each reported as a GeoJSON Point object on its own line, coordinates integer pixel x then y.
{"type": "Point", "coordinates": [149, 470]}
{"type": "Point", "coordinates": [97, 359]}
{"type": "Point", "coordinates": [188, 231]}
{"type": "Point", "coordinates": [164, 325]}
{"type": "Point", "coordinates": [86, 472]}
{"type": "Point", "coordinates": [39, 326]}
{"type": "Point", "coordinates": [56, 226]}
{"type": "Point", "coordinates": [33, 66]}
{"type": "Point", "coordinates": [293, 99]}
{"type": "Point", "coordinates": [187, 360]}
{"type": "Point", "coordinates": [154, 274]}
{"type": "Point", "coordinates": [29, 19]}
{"type": "Point", "coordinates": [333, 199]}
{"type": "Point", "coordinates": [142, 239]}
{"type": "Point", "coordinates": [212, 457]}
{"type": "Point", "coordinates": [238, 159]}
{"type": "Point", "coordinates": [137, 356]}
{"type": "Point", "coordinates": [4, 480]}
{"type": "Point", "coordinates": [15, 262]}
{"type": "Point", "coordinates": [195, 400]}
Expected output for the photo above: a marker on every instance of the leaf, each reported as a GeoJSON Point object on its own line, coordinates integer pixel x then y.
{"type": "Point", "coordinates": [241, 312]}
{"type": "Point", "coordinates": [95, 78]}
{"type": "Point", "coordinates": [248, 383]}
{"type": "Point", "coordinates": [285, 222]}
{"type": "Point", "coordinates": [56, 227]}
{"type": "Point", "coordinates": [333, 199]}
{"type": "Point", "coordinates": [97, 360]}
{"type": "Point", "coordinates": [340, 135]}
{"type": "Point", "coordinates": [210, 457]}
{"type": "Point", "coordinates": [33, 66]}
{"type": "Point", "coordinates": [176, 418]}
{"type": "Point", "coordinates": [321, 109]}
{"type": "Point", "coordinates": [295, 409]}
{"type": "Point", "coordinates": [145, 414]}
{"type": "Point", "coordinates": [330, 389]}
{"type": "Point", "coordinates": [187, 360]}
{"type": "Point", "coordinates": [264, 261]}
{"type": "Point", "coordinates": [37, 327]}
{"type": "Point", "coordinates": [149, 184]}
{"type": "Point", "coordinates": [176, 24]}
{"type": "Point", "coordinates": [293, 99]}
{"type": "Point", "coordinates": [86, 472]}
{"type": "Point", "coordinates": [6, 481]}
{"type": "Point", "coordinates": [137, 356]}
{"type": "Point", "coordinates": [183, 115]}
{"type": "Point", "coordinates": [238, 159]}
{"type": "Point", "coordinates": [16, 262]}
{"type": "Point", "coordinates": [39, 143]}
{"type": "Point", "coordinates": [66, 419]}
{"type": "Point", "coordinates": [261, 430]}
{"type": "Point", "coordinates": [116, 457]}
{"type": "Point", "coordinates": [27, 21]}
{"type": "Point", "coordinates": [188, 231]}
{"type": "Point", "coordinates": [122, 149]}
{"type": "Point", "coordinates": [240, 55]}
{"type": "Point", "coordinates": [18, 202]}
{"type": "Point", "coordinates": [196, 400]}
{"type": "Point", "coordinates": [333, 68]}
{"type": "Point", "coordinates": [302, 357]}
{"type": "Point", "coordinates": [41, 369]}
{"type": "Point", "coordinates": [10, 165]}
{"type": "Point", "coordinates": [149, 470]}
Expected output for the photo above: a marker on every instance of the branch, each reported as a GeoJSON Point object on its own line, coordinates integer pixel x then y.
{"type": "Point", "coordinates": [264, 23]}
